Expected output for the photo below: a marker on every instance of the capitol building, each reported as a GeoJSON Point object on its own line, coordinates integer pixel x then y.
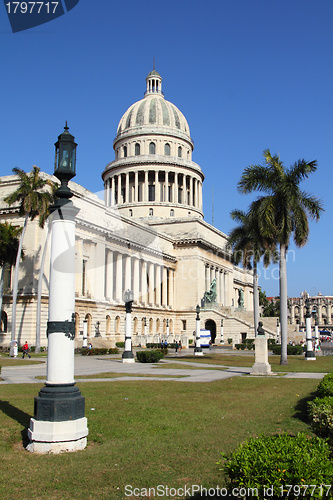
{"type": "Point", "coordinates": [148, 235]}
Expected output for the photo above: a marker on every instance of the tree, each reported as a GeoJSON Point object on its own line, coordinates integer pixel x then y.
{"type": "Point", "coordinates": [9, 243]}
{"type": "Point", "coordinates": [248, 248]}
{"type": "Point", "coordinates": [282, 213]}
{"type": "Point", "coordinates": [34, 201]}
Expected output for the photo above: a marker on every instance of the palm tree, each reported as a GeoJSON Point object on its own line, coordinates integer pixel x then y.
{"type": "Point", "coordinates": [282, 213]}
{"type": "Point", "coordinates": [9, 243]}
{"type": "Point", "coordinates": [248, 247]}
{"type": "Point", "coordinates": [34, 202]}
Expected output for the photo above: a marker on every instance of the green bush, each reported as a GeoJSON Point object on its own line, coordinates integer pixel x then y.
{"type": "Point", "coordinates": [292, 350]}
{"type": "Point", "coordinates": [240, 346]}
{"type": "Point", "coordinates": [149, 356]}
{"type": "Point", "coordinates": [278, 461]}
{"type": "Point", "coordinates": [325, 387]}
{"type": "Point", "coordinates": [120, 344]}
{"type": "Point", "coordinates": [271, 342]}
{"type": "Point", "coordinates": [94, 351]}
{"type": "Point", "coordinates": [229, 341]}
{"type": "Point", "coordinates": [321, 416]}
{"type": "Point", "coordinates": [113, 350]}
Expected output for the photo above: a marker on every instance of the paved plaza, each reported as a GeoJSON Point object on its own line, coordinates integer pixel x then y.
{"type": "Point", "coordinates": [93, 365]}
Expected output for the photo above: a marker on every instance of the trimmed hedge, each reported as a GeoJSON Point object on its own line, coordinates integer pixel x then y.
{"type": "Point", "coordinates": [278, 461]}
{"type": "Point", "coordinates": [321, 415]}
{"type": "Point", "coordinates": [325, 387]}
{"type": "Point", "coordinates": [149, 356]}
{"type": "Point", "coordinates": [120, 344]}
{"type": "Point", "coordinates": [292, 350]}
{"type": "Point", "coordinates": [98, 351]}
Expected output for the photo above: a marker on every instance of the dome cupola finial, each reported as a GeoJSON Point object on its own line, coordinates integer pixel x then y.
{"type": "Point", "coordinates": [154, 82]}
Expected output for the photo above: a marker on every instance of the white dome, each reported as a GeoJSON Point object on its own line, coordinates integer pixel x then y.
{"type": "Point", "coordinates": [153, 112]}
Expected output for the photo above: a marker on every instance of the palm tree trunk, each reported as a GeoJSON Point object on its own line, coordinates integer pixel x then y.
{"type": "Point", "coordinates": [39, 292]}
{"type": "Point", "coordinates": [255, 298]}
{"type": "Point", "coordinates": [283, 305]}
{"type": "Point", "coordinates": [15, 281]}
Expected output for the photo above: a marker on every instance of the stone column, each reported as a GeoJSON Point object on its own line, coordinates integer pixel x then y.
{"type": "Point", "coordinates": [164, 286]}
{"type": "Point", "coordinates": [175, 189]}
{"type": "Point", "coordinates": [157, 187]}
{"type": "Point", "coordinates": [119, 277]}
{"type": "Point", "coordinates": [226, 286]}
{"type": "Point", "coordinates": [158, 284]}
{"type": "Point", "coordinates": [136, 186]}
{"type": "Point", "coordinates": [128, 273]}
{"type": "Point", "coordinates": [136, 280]}
{"type": "Point", "coordinates": [112, 191]}
{"type": "Point", "coordinates": [221, 274]}
{"type": "Point", "coordinates": [109, 275]}
{"type": "Point", "coordinates": [145, 187]}
{"type": "Point", "coordinates": [171, 287]}
{"type": "Point", "coordinates": [200, 196]}
{"type": "Point", "coordinates": [151, 286]}
{"type": "Point", "coordinates": [144, 282]}
{"type": "Point", "coordinates": [119, 189]}
{"type": "Point", "coordinates": [166, 187]}
{"type": "Point", "coordinates": [127, 188]}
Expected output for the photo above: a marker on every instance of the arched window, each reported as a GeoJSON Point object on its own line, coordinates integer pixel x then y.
{"type": "Point", "coordinates": [180, 152]}
{"type": "Point", "coordinates": [152, 148]}
{"type": "Point", "coordinates": [137, 149]}
{"type": "Point", "coordinates": [116, 154]}
{"type": "Point", "coordinates": [77, 325]}
{"type": "Point", "coordinates": [108, 325]}
{"type": "Point", "coordinates": [172, 212]}
{"type": "Point", "coordinates": [135, 325]}
{"type": "Point", "coordinates": [117, 325]}
{"type": "Point", "coordinates": [4, 322]}
{"type": "Point", "coordinates": [167, 149]}
{"type": "Point", "coordinates": [125, 151]}
{"type": "Point", "coordinates": [151, 211]}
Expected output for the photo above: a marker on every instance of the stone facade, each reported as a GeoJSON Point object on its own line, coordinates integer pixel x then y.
{"type": "Point", "coordinates": [148, 235]}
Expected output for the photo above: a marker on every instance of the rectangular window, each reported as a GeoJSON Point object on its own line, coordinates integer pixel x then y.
{"type": "Point", "coordinates": [151, 192]}
{"type": "Point", "coordinates": [184, 324]}
{"type": "Point", "coordinates": [7, 278]}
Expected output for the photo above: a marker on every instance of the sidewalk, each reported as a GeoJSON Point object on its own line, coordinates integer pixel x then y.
{"type": "Point", "coordinates": [92, 365]}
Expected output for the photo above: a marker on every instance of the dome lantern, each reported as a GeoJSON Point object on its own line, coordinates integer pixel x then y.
{"type": "Point", "coordinates": [154, 83]}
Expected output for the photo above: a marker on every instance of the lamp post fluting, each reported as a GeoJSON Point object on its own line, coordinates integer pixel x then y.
{"type": "Point", "coordinates": [315, 312]}
{"type": "Point", "coordinates": [222, 334]}
{"type": "Point", "coordinates": [128, 356]}
{"type": "Point", "coordinates": [309, 355]}
{"type": "Point", "coordinates": [59, 423]}
{"type": "Point", "coordinates": [198, 348]}
{"type": "Point", "coordinates": [277, 331]}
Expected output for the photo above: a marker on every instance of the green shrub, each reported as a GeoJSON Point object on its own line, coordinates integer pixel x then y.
{"type": "Point", "coordinates": [229, 341]}
{"type": "Point", "coordinates": [149, 356]}
{"type": "Point", "coordinates": [240, 346]}
{"type": "Point", "coordinates": [94, 351]}
{"type": "Point", "coordinates": [120, 344]}
{"type": "Point", "coordinates": [278, 461]}
{"type": "Point", "coordinates": [190, 341]}
{"type": "Point", "coordinates": [325, 387]}
{"type": "Point", "coordinates": [271, 342]}
{"type": "Point", "coordinates": [321, 416]}
{"type": "Point", "coordinates": [113, 350]}
{"type": "Point", "coordinates": [292, 350]}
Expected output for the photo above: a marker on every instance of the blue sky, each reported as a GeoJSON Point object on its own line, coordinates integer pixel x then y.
{"type": "Point", "coordinates": [247, 74]}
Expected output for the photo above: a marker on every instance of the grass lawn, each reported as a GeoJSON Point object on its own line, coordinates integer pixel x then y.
{"type": "Point", "coordinates": [323, 364]}
{"type": "Point", "coordinates": [185, 366]}
{"type": "Point", "coordinates": [6, 361]}
{"type": "Point", "coordinates": [117, 375]}
{"type": "Point", "coordinates": [146, 433]}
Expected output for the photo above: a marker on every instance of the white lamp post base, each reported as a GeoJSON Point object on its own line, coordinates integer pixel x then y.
{"type": "Point", "coordinates": [57, 437]}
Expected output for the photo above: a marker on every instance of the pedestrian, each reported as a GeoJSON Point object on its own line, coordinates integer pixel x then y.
{"type": "Point", "coordinates": [210, 345]}
{"type": "Point", "coordinates": [162, 344]}
{"type": "Point", "coordinates": [25, 350]}
{"type": "Point", "coordinates": [180, 346]}
{"type": "Point", "coordinates": [176, 346]}
{"type": "Point", "coordinates": [165, 344]}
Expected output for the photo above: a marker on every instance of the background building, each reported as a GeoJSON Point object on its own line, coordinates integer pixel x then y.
{"type": "Point", "coordinates": [148, 235]}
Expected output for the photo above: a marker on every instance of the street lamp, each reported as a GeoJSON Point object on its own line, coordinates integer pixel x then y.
{"type": "Point", "coordinates": [59, 423]}
{"type": "Point", "coordinates": [315, 313]}
{"type": "Point", "coordinates": [222, 337]}
{"type": "Point", "coordinates": [167, 329]}
{"type": "Point", "coordinates": [198, 348]}
{"type": "Point", "coordinates": [128, 356]}
{"type": "Point", "coordinates": [309, 355]}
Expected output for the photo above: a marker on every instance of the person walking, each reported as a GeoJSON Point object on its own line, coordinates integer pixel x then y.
{"type": "Point", "coordinates": [180, 346]}
{"type": "Point", "coordinates": [25, 349]}
{"type": "Point", "coordinates": [176, 346]}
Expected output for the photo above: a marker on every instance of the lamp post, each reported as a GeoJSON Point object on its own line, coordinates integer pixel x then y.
{"type": "Point", "coordinates": [85, 333]}
{"type": "Point", "coordinates": [128, 356]}
{"type": "Point", "coordinates": [167, 329]}
{"type": "Point", "coordinates": [198, 348]}
{"type": "Point", "coordinates": [315, 313]}
{"type": "Point", "coordinates": [309, 355]}
{"type": "Point", "coordinates": [59, 423]}
{"type": "Point", "coordinates": [97, 332]}
{"type": "Point", "coordinates": [145, 331]}
{"type": "Point", "coordinates": [277, 331]}
{"type": "Point", "coordinates": [222, 337]}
